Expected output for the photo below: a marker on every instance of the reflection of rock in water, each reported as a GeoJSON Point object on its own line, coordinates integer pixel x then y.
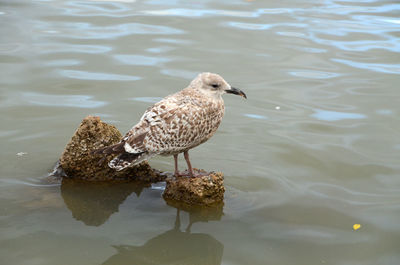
{"type": "Point", "coordinates": [199, 213]}
{"type": "Point", "coordinates": [171, 247]}
{"type": "Point", "coordinates": [93, 203]}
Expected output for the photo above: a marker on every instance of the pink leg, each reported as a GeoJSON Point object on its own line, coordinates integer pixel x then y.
{"type": "Point", "coordinates": [186, 155]}
{"type": "Point", "coordinates": [190, 169]}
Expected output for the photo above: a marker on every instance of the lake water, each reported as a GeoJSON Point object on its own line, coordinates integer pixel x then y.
{"type": "Point", "coordinates": [314, 150]}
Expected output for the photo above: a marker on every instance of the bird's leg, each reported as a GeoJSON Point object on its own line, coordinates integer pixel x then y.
{"type": "Point", "coordinates": [186, 155]}
{"type": "Point", "coordinates": [177, 220]}
{"type": "Point", "coordinates": [176, 165]}
{"type": "Point", "coordinates": [190, 172]}
{"type": "Point", "coordinates": [177, 173]}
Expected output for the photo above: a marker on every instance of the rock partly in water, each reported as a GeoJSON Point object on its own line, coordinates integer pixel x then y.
{"type": "Point", "coordinates": [78, 162]}
{"type": "Point", "coordinates": [206, 190]}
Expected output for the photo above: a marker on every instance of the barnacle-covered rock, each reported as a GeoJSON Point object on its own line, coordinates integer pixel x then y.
{"type": "Point", "coordinates": [206, 190]}
{"type": "Point", "coordinates": [78, 162]}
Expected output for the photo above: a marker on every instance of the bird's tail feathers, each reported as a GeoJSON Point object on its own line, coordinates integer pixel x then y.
{"type": "Point", "coordinates": [128, 159]}
{"type": "Point", "coordinates": [112, 149]}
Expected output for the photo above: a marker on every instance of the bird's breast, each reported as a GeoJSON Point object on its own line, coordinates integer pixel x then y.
{"type": "Point", "coordinates": [206, 123]}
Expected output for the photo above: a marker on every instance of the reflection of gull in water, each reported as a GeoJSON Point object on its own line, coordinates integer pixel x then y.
{"type": "Point", "coordinates": [171, 247]}
{"type": "Point", "coordinates": [198, 213]}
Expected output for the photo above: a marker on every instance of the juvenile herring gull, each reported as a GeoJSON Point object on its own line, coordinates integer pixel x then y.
{"type": "Point", "coordinates": [174, 125]}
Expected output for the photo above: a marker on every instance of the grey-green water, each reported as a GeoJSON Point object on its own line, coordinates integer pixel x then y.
{"type": "Point", "coordinates": [314, 149]}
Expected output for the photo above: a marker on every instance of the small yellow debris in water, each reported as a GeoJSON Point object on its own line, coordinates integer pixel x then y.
{"type": "Point", "coordinates": [356, 226]}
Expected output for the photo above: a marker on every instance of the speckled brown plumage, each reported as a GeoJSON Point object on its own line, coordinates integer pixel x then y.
{"type": "Point", "coordinates": [175, 124]}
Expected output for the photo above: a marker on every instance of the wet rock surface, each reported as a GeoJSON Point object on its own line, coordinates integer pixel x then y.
{"type": "Point", "coordinates": [77, 161]}
{"type": "Point", "coordinates": [206, 190]}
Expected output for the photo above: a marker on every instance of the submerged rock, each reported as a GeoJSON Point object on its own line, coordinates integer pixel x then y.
{"type": "Point", "coordinates": [78, 162]}
{"type": "Point", "coordinates": [206, 190]}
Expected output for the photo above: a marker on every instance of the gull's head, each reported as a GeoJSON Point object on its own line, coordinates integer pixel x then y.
{"type": "Point", "coordinates": [214, 85]}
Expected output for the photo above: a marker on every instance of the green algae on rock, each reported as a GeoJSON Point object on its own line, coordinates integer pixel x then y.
{"type": "Point", "coordinates": [78, 162]}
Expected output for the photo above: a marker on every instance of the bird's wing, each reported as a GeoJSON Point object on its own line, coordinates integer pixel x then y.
{"type": "Point", "coordinates": [159, 126]}
{"type": "Point", "coordinates": [131, 143]}
{"type": "Point", "coordinates": [134, 140]}
{"type": "Point", "coordinates": [171, 123]}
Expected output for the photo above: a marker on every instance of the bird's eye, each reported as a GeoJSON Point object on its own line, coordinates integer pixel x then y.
{"type": "Point", "coordinates": [215, 85]}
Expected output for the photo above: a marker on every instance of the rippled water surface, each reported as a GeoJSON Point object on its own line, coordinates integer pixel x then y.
{"type": "Point", "coordinates": [314, 150]}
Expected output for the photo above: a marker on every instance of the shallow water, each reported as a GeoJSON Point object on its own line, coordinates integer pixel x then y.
{"type": "Point", "coordinates": [314, 149]}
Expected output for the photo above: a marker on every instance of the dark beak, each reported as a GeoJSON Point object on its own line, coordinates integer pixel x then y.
{"type": "Point", "coordinates": [236, 91]}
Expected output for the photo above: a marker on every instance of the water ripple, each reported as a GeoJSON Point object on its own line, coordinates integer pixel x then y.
{"type": "Point", "coordinates": [76, 101]}
{"type": "Point", "coordinates": [84, 75]}
{"type": "Point", "coordinates": [160, 49]}
{"type": "Point", "coordinates": [186, 12]}
{"type": "Point", "coordinates": [147, 99]}
{"type": "Point", "coordinates": [326, 115]}
{"type": "Point", "coordinates": [255, 116]}
{"type": "Point", "coordinates": [22, 182]}
{"type": "Point", "coordinates": [174, 41]}
{"type": "Point", "coordinates": [257, 26]}
{"type": "Point", "coordinates": [50, 48]}
{"type": "Point", "coordinates": [313, 74]}
{"type": "Point", "coordinates": [179, 73]}
{"type": "Point", "coordinates": [96, 7]}
{"type": "Point", "coordinates": [134, 59]}
{"type": "Point", "coordinates": [65, 62]}
{"type": "Point", "coordinates": [382, 68]}
{"type": "Point", "coordinates": [250, 26]}
{"type": "Point", "coordinates": [84, 30]}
